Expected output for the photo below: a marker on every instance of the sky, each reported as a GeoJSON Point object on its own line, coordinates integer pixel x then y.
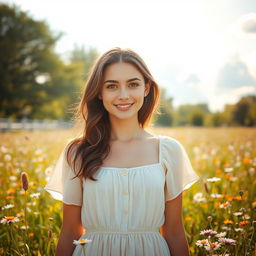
{"type": "Point", "coordinates": [200, 51]}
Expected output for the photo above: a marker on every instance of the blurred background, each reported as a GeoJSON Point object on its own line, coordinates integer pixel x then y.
{"type": "Point", "coordinates": [202, 54]}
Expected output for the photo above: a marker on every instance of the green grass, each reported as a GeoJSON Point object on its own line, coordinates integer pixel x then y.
{"type": "Point", "coordinates": [211, 150]}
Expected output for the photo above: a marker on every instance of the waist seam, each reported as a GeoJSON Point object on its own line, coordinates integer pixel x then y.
{"type": "Point", "coordinates": [121, 232]}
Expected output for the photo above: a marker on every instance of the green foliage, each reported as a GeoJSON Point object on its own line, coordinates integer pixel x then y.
{"type": "Point", "coordinates": [191, 114]}
{"type": "Point", "coordinates": [197, 118]}
{"type": "Point", "coordinates": [244, 112]}
{"type": "Point", "coordinates": [165, 117]}
{"type": "Point", "coordinates": [228, 154]}
{"type": "Point", "coordinates": [26, 53]}
{"type": "Point", "coordinates": [84, 57]}
{"type": "Point", "coordinates": [215, 119]}
{"type": "Point", "coordinates": [35, 82]}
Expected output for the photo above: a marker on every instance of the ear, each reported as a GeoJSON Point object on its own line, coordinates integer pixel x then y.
{"type": "Point", "coordinates": [147, 89]}
{"type": "Point", "coordinates": [100, 97]}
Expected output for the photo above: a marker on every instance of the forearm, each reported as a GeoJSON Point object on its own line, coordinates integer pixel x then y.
{"type": "Point", "coordinates": [65, 246]}
{"type": "Point", "coordinates": [177, 244]}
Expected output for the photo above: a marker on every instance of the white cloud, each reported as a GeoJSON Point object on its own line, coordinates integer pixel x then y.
{"type": "Point", "coordinates": [244, 90]}
{"type": "Point", "coordinates": [175, 38]}
{"type": "Point", "coordinates": [234, 74]}
{"type": "Point", "coordinates": [218, 101]}
{"type": "Point", "coordinates": [248, 23]}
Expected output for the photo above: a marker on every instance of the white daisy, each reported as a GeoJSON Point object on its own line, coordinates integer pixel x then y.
{"type": "Point", "coordinates": [213, 179]}
{"type": "Point", "coordinates": [81, 241]}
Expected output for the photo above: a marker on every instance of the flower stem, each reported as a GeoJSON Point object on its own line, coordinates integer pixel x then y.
{"type": "Point", "coordinates": [224, 252]}
{"type": "Point", "coordinates": [83, 246]}
{"type": "Point", "coordinates": [253, 230]}
{"type": "Point", "coordinates": [25, 216]}
{"type": "Point", "coordinates": [13, 238]}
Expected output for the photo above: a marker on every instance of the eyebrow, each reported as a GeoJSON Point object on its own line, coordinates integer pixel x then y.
{"type": "Point", "coordinates": [115, 81]}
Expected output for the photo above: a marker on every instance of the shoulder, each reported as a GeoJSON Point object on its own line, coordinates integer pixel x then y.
{"type": "Point", "coordinates": [170, 142]}
{"type": "Point", "coordinates": [69, 153]}
{"type": "Point", "coordinates": [71, 148]}
{"type": "Point", "coordinates": [171, 149]}
{"type": "Point", "coordinates": [163, 138]}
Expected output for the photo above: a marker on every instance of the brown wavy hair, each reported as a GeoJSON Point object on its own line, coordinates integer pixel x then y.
{"type": "Point", "coordinates": [92, 147]}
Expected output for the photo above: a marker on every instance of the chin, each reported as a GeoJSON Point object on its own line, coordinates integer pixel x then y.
{"type": "Point", "coordinates": [123, 116]}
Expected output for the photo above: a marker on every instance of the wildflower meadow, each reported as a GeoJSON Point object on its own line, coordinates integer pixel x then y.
{"type": "Point", "coordinates": [218, 211]}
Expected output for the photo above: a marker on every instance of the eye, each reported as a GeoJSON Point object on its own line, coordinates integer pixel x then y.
{"type": "Point", "coordinates": [111, 86]}
{"type": "Point", "coordinates": [134, 84]}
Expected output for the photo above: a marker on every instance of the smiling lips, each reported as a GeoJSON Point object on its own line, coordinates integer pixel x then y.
{"type": "Point", "coordinates": [124, 107]}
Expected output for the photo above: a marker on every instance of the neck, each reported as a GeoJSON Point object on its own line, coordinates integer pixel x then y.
{"type": "Point", "coordinates": [125, 130]}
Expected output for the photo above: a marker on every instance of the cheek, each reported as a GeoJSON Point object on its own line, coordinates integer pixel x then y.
{"type": "Point", "coordinates": [138, 95]}
{"type": "Point", "coordinates": [107, 97]}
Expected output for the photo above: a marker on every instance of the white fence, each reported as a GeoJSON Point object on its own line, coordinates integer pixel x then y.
{"type": "Point", "coordinates": [33, 124]}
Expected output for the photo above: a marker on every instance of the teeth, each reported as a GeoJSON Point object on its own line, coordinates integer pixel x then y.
{"type": "Point", "coordinates": [124, 106]}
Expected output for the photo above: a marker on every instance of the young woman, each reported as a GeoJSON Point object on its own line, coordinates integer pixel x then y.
{"type": "Point", "coordinates": [118, 181]}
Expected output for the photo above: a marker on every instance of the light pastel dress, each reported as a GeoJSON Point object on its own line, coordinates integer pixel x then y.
{"type": "Point", "coordinates": [123, 211]}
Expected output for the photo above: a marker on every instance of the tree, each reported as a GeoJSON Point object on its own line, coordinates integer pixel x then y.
{"type": "Point", "coordinates": [189, 114]}
{"type": "Point", "coordinates": [27, 62]}
{"type": "Point", "coordinates": [197, 118]}
{"type": "Point", "coordinates": [84, 57]}
{"type": "Point", "coordinates": [215, 119]}
{"type": "Point", "coordinates": [165, 118]}
{"type": "Point", "coordinates": [244, 111]}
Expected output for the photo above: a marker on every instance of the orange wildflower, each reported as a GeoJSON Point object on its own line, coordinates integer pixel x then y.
{"type": "Point", "coordinates": [188, 218]}
{"type": "Point", "coordinates": [11, 191]}
{"type": "Point", "coordinates": [228, 222]}
{"type": "Point", "coordinates": [9, 218]}
{"type": "Point", "coordinates": [30, 234]}
{"type": "Point", "coordinates": [212, 245]}
{"type": "Point", "coordinates": [230, 198]}
{"type": "Point", "coordinates": [203, 242]}
{"type": "Point", "coordinates": [19, 214]}
{"type": "Point", "coordinates": [244, 223]}
{"type": "Point", "coordinates": [247, 216]}
{"type": "Point", "coordinates": [216, 205]}
{"type": "Point", "coordinates": [215, 160]}
{"type": "Point", "coordinates": [246, 160]}
{"type": "Point", "coordinates": [224, 165]}
{"type": "Point", "coordinates": [239, 198]}
{"type": "Point", "coordinates": [9, 197]}
{"type": "Point", "coordinates": [218, 171]}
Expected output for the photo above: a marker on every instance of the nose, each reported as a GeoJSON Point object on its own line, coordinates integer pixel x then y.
{"type": "Point", "coordinates": [124, 94]}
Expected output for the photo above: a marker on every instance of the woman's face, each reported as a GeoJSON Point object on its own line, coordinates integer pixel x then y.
{"type": "Point", "coordinates": [123, 90]}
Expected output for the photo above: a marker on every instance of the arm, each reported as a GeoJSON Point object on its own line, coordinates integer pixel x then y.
{"type": "Point", "coordinates": [71, 229]}
{"type": "Point", "coordinates": [173, 230]}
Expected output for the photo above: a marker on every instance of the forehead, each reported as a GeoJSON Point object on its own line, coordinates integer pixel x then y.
{"type": "Point", "coordinates": [121, 71]}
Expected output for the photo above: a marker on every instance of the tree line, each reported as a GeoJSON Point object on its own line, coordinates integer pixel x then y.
{"type": "Point", "coordinates": [242, 113]}
{"type": "Point", "coordinates": [35, 82]}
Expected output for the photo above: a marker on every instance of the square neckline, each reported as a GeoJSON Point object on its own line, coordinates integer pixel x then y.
{"type": "Point", "coordinates": [141, 166]}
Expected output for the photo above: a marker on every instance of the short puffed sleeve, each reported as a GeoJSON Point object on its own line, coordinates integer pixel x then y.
{"type": "Point", "coordinates": [180, 174]}
{"type": "Point", "coordinates": [61, 186]}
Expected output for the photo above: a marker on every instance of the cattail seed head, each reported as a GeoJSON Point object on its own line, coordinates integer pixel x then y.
{"type": "Point", "coordinates": [49, 233]}
{"type": "Point", "coordinates": [241, 193]}
{"type": "Point", "coordinates": [24, 179]}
